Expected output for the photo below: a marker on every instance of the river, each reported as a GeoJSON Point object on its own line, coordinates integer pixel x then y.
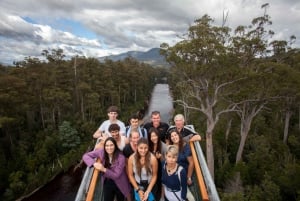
{"type": "Point", "coordinates": [64, 186]}
{"type": "Point", "coordinates": [162, 101]}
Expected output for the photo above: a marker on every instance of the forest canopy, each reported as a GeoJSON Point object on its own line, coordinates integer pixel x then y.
{"type": "Point", "coordinates": [240, 88]}
{"type": "Point", "coordinates": [51, 108]}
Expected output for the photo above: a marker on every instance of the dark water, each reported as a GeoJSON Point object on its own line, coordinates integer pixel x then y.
{"type": "Point", "coordinates": [64, 187]}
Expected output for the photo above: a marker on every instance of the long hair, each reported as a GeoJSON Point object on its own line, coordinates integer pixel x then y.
{"type": "Point", "coordinates": [115, 154]}
{"type": "Point", "coordinates": [137, 158]}
{"type": "Point", "coordinates": [181, 142]}
{"type": "Point", "coordinates": [151, 144]}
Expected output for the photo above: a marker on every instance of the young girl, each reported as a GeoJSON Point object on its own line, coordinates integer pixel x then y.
{"type": "Point", "coordinates": [142, 171]}
{"type": "Point", "coordinates": [174, 178]}
{"type": "Point", "coordinates": [112, 165]}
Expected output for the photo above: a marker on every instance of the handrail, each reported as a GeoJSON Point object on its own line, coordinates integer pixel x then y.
{"type": "Point", "coordinates": [201, 183]}
{"type": "Point", "coordinates": [82, 187]}
{"type": "Point", "coordinates": [85, 182]}
{"type": "Point", "coordinates": [91, 190]}
{"type": "Point", "coordinates": [211, 187]}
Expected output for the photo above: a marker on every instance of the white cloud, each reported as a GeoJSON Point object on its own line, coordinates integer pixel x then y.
{"type": "Point", "coordinates": [99, 28]}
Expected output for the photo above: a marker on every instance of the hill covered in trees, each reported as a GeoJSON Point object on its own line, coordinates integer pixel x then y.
{"type": "Point", "coordinates": [151, 57]}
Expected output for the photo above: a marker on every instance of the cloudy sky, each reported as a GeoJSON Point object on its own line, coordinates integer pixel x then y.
{"type": "Point", "coordinates": [94, 28]}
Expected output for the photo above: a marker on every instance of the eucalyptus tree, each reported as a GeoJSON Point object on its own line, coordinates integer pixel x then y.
{"type": "Point", "coordinates": [55, 56]}
{"type": "Point", "coordinates": [288, 90]}
{"type": "Point", "coordinates": [250, 46]}
{"type": "Point", "coordinates": [288, 58]}
{"type": "Point", "coordinates": [203, 71]}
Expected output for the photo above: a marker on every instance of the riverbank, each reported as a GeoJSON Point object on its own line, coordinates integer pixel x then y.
{"type": "Point", "coordinates": [64, 183]}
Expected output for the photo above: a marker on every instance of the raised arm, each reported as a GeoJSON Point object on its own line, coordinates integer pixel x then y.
{"type": "Point", "coordinates": [195, 137]}
{"type": "Point", "coordinates": [89, 158]}
{"type": "Point", "coordinates": [97, 133]}
{"type": "Point", "coordinates": [117, 169]}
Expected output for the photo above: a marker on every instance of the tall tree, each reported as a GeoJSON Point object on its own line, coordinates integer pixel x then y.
{"type": "Point", "coordinates": [203, 71]}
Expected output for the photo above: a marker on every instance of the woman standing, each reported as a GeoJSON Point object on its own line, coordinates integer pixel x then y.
{"type": "Point", "coordinates": [184, 159]}
{"type": "Point", "coordinates": [174, 178]}
{"type": "Point", "coordinates": [158, 149]}
{"type": "Point", "coordinates": [112, 165]}
{"type": "Point", "coordinates": [142, 171]}
{"type": "Point", "coordinates": [156, 146]}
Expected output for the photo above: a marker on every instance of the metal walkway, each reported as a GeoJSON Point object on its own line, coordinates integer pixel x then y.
{"type": "Point", "coordinates": [203, 187]}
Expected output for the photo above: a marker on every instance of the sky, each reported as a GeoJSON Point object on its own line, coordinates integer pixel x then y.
{"type": "Point", "coordinates": [96, 28]}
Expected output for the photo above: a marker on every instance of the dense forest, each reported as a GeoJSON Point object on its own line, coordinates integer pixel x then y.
{"type": "Point", "coordinates": [240, 88]}
{"type": "Point", "coordinates": [50, 109]}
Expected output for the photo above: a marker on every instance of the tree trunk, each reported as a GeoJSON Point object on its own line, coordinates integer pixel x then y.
{"type": "Point", "coordinates": [210, 153]}
{"type": "Point", "coordinates": [82, 108]}
{"type": "Point", "coordinates": [210, 147]}
{"type": "Point", "coordinates": [288, 115]}
{"type": "Point", "coordinates": [42, 112]}
{"type": "Point", "coordinates": [245, 127]}
{"type": "Point", "coordinates": [228, 130]}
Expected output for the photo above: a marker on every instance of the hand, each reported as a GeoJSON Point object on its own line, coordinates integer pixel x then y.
{"type": "Point", "coordinates": [141, 194]}
{"type": "Point", "coordinates": [157, 155]}
{"type": "Point", "coordinates": [98, 165]}
{"type": "Point", "coordinates": [145, 197]}
{"type": "Point", "coordinates": [189, 182]}
{"type": "Point", "coordinates": [195, 138]}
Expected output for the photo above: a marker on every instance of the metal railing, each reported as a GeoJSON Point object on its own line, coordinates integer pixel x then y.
{"type": "Point", "coordinates": [203, 188]}
{"type": "Point", "coordinates": [210, 184]}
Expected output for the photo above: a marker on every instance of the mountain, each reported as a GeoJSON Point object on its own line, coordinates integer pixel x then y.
{"type": "Point", "coordinates": [151, 57]}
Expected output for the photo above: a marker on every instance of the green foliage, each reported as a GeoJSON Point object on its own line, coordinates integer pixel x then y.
{"type": "Point", "coordinates": [68, 135]}
{"type": "Point", "coordinates": [215, 71]}
{"type": "Point", "coordinates": [52, 108]}
{"type": "Point", "coordinates": [17, 184]}
{"type": "Point", "coordinates": [233, 196]}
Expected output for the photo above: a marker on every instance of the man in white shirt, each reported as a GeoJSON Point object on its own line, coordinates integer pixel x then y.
{"type": "Point", "coordinates": [112, 113]}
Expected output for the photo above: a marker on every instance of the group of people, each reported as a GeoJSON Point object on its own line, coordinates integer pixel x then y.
{"type": "Point", "coordinates": [143, 163]}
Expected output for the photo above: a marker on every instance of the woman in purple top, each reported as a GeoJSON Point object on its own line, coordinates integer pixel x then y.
{"type": "Point", "coordinates": [112, 167]}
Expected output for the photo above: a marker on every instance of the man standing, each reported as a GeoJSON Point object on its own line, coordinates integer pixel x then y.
{"type": "Point", "coordinates": [112, 113]}
{"type": "Point", "coordinates": [134, 125]}
{"type": "Point", "coordinates": [162, 127]}
{"type": "Point", "coordinates": [186, 133]}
